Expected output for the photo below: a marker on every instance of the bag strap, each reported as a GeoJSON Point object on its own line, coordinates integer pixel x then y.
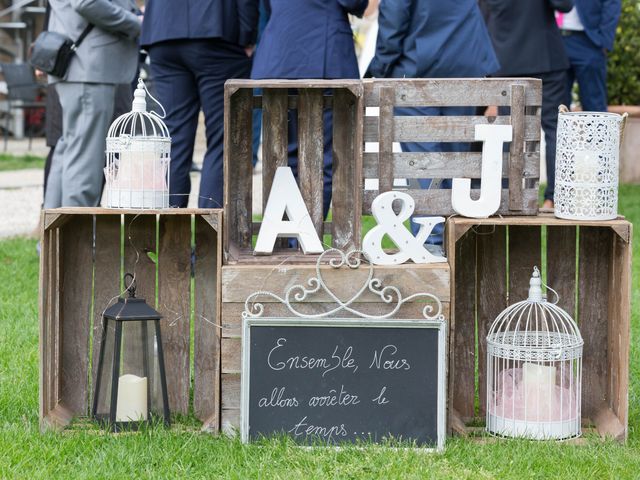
{"type": "Point", "coordinates": [82, 36]}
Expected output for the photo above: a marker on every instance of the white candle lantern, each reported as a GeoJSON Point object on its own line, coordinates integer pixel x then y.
{"type": "Point", "coordinates": [138, 156]}
{"type": "Point", "coordinates": [587, 164]}
{"type": "Point", "coordinates": [534, 370]}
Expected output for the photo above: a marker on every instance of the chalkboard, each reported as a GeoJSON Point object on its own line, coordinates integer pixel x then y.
{"type": "Point", "coordinates": [338, 380]}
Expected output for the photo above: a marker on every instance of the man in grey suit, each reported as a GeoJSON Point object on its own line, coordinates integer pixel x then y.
{"type": "Point", "coordinates": [107, 56]}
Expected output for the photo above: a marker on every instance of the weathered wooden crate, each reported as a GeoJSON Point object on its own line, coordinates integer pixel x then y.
{"type": "Point", "coordinates": [521, 165]}
{"type": "Point", "coordinates": [85, 252]}
{"type": "Point", "coordinates": [308, 99]}
{"type": "Point", "coordinates": [587, 263]}
{"type": "Point", "coordinates": [239, 281]}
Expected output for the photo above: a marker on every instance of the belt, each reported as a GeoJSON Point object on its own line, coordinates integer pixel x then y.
{"type": "Point", "coordinates": [568, 33]}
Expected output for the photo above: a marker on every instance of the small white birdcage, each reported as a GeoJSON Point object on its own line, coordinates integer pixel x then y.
{"type": "Point", "coordinates": [138, 156]}
{"type": "Point", "coordinates": [534, 370]}
{"type": "Point", "coordinates": [587, 164]}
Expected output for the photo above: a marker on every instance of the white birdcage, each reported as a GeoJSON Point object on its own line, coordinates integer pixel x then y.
{"type": "Point", "coordinates": [138, 156]}
{"type": "Point", "coordinates": [534, 370]}
{"type": "Point", "coordinates": [587, 164]}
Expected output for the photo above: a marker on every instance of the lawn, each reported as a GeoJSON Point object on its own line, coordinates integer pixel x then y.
{"type": "Point", "coordinates": [13, 162]}
{"type": "Point", "coordinates": [185, 452]}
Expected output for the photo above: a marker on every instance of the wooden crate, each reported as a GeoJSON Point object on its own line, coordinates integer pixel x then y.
{"type": "Point", "coordinates": [308, 98]}
{"type": "Point", "coordinates": [239, 281]}
{"type": "Point", "coordinates": [85, 252]}
{"type": "Point", "coordinates": [521, 165]}
{"type": "Point", "coordinates": [588, 263]}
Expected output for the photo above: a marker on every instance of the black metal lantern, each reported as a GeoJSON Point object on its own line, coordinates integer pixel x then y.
{"type": "Point", "coordinates": [131, 385]}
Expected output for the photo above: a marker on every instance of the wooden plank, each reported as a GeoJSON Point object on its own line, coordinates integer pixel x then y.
{"type": "Point", "coordinates": [231, 355]}
{"type": "Point", "coordinates": [75, 288]}
{"type": "Point", "coordinates": [107, 278]}
{"type": "Point", "coordinates": [238, 83]}
{"type": "Point", "coordinates": [347, 167]}
{"type": "Point", "coordinates": [139, 243]}
{"type": "Point", "coordinates": [438, 202]}
{"type": "Point", "coordinates": [230, 421]}
{"type": "Point", "coordinates": [516, 148]}
{"type": "Point", "coordinates": [561, 266]}
{"type": "Point", "coordinates": [53, 215]}
{"type": "Point", "coordinates": [444, 129]}
{"type": "Point", "coordinates": [292, 101]}
{"type": "Point", "coordinates": [619, 315]}
{"type": "Point", "coordinates": [524, 254]}
{"type": "Point", "coordinates": [619, 224]}
{"type": "Point", "coordinates": [492, 294]}
{"type": "Point", "coordinates": [594, 267]}
{"type": "Point", "coordinates": [462, 342]}
{"type": "Point", "coordinates": [240, 281]}
{"type": "Point", "coordinates": [174, 268]}
{"type": "Point", "coordinates": [238, 168]}
{"type": "Point", "coordinates": [230, 390]}
{"type": "Point", "coordinates": [274, 137]}
{"type": "Point", "coordinates": [444, 165]}
{"type": "Point", "coordinates": [385, 139]}
{"type": "Point", "coordinates": [452, 91]}
{"type": "Point", "coordinates": [206, 334]}
{"type": "Point", "coordinates": [311, 154]}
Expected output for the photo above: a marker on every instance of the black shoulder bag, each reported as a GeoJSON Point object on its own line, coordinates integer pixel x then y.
{"type": "Point", "coordinates": [52, 51]}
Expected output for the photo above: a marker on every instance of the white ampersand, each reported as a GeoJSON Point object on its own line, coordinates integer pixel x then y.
{"type": "Point", "coordinates": [409, 247]}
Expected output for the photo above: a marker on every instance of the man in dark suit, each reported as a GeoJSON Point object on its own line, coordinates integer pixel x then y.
{"type": "Point", "coordinates": [528, 44]}
{"type": "Point", "coordinates": [195, 46]}
{"type": "Point", "coordinates": [588, 31]}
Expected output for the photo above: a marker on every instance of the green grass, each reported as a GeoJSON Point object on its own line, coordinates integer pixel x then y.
{"type": "Point", "coordinates": [13, 162]}
{"type": "Point", "coordinates": [184, 452]}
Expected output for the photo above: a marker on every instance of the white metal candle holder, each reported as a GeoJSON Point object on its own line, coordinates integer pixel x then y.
{"type": "Point", "coordinates": [534, 370]}
{"type": "Point", "coordinates": [587, 164]}
{"type": "Point", "coordinates": [138, 156]}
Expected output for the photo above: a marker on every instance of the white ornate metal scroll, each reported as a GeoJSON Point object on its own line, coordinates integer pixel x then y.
{"type": "Point", "coordinates": [389, 295]}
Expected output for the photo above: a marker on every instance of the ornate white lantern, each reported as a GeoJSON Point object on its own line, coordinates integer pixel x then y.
{"type": "Point", "coordinates": [587, 159]}
{"type": "Point", "coordinates": [138, 156]}
{"type": "Point", "coordinates": [534, 370]}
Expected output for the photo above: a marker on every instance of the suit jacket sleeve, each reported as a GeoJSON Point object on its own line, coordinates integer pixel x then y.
{"type": "Point", "coordinates": [563, 6]}
{"type": "Point", "coordinates": [394, 19]}
{"type": "Point", "coordinates": [354, 7]}
{"type": "Point", "coordinates": [107, 16]}
{"type": "Point", "coordinates": [248, 14]}
{"type": "Point", "coordinates": [609, 22]}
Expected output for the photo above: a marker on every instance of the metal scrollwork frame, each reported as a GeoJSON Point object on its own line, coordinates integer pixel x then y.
{"type": "Point", "coordinates": [389, 295]}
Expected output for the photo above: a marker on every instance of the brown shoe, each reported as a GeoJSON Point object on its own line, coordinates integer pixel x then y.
{"type": "Point", "coordinates": [547, 204]}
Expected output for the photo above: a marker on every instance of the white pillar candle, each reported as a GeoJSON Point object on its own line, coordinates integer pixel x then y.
{"type": "Point", "coordinates": [539, 390]}
{"type": "Point", "coordinates": [132, 398]}
{"type": "Point", "coordinates": [586, 164]}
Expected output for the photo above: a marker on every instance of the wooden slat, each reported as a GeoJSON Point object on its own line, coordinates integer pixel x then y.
{"type": "Point", "coordinates": [385, 139]}
{"type": "Point", "coordinates": [524, 254]}
{"type": "Point", "coordinates": [67, 212]}
{"type": "Point", "coordinates": [444, 165]}
{"type": "Point", "coordinates": [77, 253]}
{"type": "Point", "coordinates": [492, 294]}
{"type": "Point", "coordinates": [174, 267]}
{"type": "Point", "coordinates": [311, 154]}
{"type": "Point", "coordinates": [594, 267]}
{"type": "Point", "coordinates": [561, 266]}
{"type": "Point", "coordinates": [238, 168]}
{"type": "Point", "coordinates": [107, 277]}
{"type": "Point", "coordinates": [619, 330]}
{"type": "Point", "coordinates": [347, 168]}
{"type": "Point", "coordinates": [231, 355]}
{"type": "Point", "coordinates": [139, 242]}
{"type": "Point", "coordinates": [452, 91]}
{"type": "Point", "coordinates": [230, 390]}
{"type": "Point", "coordinates": [238, 83]}
{"type": "Point", "coordinates": [462, 352]}
{"type": "Point", "coordinates": [444, 129]}
{"type": "Point", "coordinates": [274, 137]}
{"type": "Point", "coordinates": [206, 342]}
{"type": "Point", "coordinates": [619, 225]}
{"type": "Point", "coordinates": [516, 148]}
{"type": "Point", "coordinates": [240, 281]}
{"type": "Point", "coordinates": [292, 101]}
{"type": "Point", "coordinates": [438, 202]}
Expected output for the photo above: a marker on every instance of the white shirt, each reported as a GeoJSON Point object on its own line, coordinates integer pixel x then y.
{"type": "Point", "coordinates": [571, 20]}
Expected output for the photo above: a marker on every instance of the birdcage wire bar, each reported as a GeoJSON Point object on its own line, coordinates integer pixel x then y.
{"type": "Point", "coordinates": [534, 371]}
{"type": "Point", "coordinates": [138, 157]}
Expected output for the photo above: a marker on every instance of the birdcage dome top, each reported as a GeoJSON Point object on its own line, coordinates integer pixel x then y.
{"type": "Point", "coordinates": [139, 124]}
{"type": "Point", "coordinates": [535, 324]}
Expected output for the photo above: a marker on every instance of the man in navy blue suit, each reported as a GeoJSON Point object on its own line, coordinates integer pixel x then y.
{"type": "Point", "coordinates": [588, 32]}
{"type": "Point", "coordinates": [435, 39]}
{"type": "Point", "coordinates": [195, 46]}
{"type": "Point", "coordinates": [307, 39]}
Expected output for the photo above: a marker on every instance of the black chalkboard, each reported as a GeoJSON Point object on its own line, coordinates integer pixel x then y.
{"type": "Point", "coordinates": [336, 381]}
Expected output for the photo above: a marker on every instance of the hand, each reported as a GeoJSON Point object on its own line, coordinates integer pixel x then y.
{"type": "Point", "coordinates": [249, 49]}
